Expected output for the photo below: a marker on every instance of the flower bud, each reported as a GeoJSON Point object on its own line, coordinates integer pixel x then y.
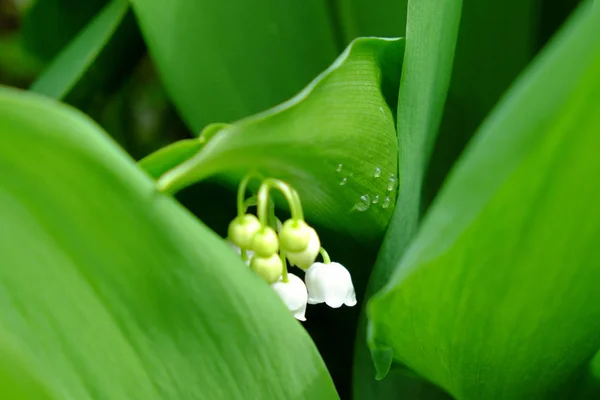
{"type": "Point", "coordinates": [242, 230]}
{"type": "Point", "coordinates": [265, 242]}
{"type": "Point", "coordinates": [268, 268]}
{"type": "Point", "coordinates": [294, 235]}
{"type": "Point", "coordinates": [293, 294]}
{"type": "Point", "coordinates": [305, 258]}
{"type": "Point", "coordinates": [330, 284]}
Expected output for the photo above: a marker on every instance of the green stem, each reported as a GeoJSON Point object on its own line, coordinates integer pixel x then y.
{"type": "Point", "coordinates": [284, 275]}
{"type": "Point", "coordinates": [241, 207]}
{"type": "Point", "coordinates": [244, 255]}
{"type": "Point", "coordinates": [288, 192]}
{"type": "Point", "coordinates": [249, 202]}
{"type": "Point", "coordinates": [326, 259]}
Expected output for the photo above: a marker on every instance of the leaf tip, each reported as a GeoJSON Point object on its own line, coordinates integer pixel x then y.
{"type": "Point", "coordinates": [381, 354]}
{"type": "Point", "coordinates": [382, 359]}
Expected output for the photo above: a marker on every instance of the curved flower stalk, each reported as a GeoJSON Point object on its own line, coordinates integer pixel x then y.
{"type": "Point", "coordinates": [266, 245]}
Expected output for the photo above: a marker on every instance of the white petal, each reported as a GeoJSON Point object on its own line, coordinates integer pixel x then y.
{"type": "Point", "coordinates": [330, 284]}
{"type": "Point", "coordinates": [234, 247]}
{"type": "Point", "coordinates": [249, 253]}
{"type": "Point", "coordinates": [293, 294]}
{"type": "Point", "coordinates": [304, 259]}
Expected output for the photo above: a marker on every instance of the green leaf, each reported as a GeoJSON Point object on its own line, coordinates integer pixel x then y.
{"type": "Point", "coordinates": [430, 40]}
{"type": "Point", "coordinates": [488, 58]}
{"type": "Point", "coordinates": [109, 289]}
{"type": "Point", "coordinates": [168, 157]}
{"type": "Point", "coordinates": [73, 61]}
{"type": "Point", "coordinates": [335, 142]}
{"type": "Point", "coordinates": [221, 61]}
{"type": "Point", "coordinates": [497, 296]}
{"type": "Point", "coordinates": [49, 25]}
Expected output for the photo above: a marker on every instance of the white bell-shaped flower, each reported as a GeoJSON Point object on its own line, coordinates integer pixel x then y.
{"type": "Point", "coordinates": [249, 253]}
{"type": "Point", "coordinates": [293, 294]}
{"type": "Point", "coordinates": [304, 259]}
{"type": "Point", "coordinates": [330, 284]}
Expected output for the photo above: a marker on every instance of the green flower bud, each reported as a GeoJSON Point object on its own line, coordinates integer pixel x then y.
{"type": "Point", "coordinates": [305, 258]}
{"type": "Point", "coordinates": [294, 235]}
{"type": "Point", "coordinates": [265, 242]}
{"type": "Point", "coordinates": [268, 268]}
{"type": "Point", "coordinates": [242, 230]}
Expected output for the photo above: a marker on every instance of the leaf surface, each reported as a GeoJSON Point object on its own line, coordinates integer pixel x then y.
{"type": "Point", "coordinates": [497, 296]}
{"type": "Point", "coordinates": [111, 290]}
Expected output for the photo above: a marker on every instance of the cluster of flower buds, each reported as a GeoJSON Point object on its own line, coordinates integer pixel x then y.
{"type": "Point", "coordinates": [267, 246]}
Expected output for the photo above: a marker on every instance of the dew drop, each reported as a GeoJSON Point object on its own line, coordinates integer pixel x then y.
{"type": "Point", "coordinates": [339, 168]}
{"type": "Point", "coordinates": [343, 181]}
{"type": "Point", "coordinates": [392, 182]}
{"type": "Point", "coordinates": [386, 202]}
{"type": "Point", "coordinates": [377, 172]}
{"type": "Point", "coordinates": [375, 199]}
{"type": "Point", "coordinates": [364, 203]}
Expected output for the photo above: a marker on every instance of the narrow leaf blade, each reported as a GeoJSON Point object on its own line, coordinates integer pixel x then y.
{"type": "Point", "coordinates": [72, 62]}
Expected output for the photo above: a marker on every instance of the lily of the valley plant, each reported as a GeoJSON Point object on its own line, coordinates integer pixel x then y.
{"type": "Point", "coordinates": [267, 245]}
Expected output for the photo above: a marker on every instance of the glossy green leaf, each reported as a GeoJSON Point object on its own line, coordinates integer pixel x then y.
{"type": "Point", "coordinates": [430, 41]}
{"type": "Point", "coordinates": [109, 289]}
{"type": "Point", "coordinates": [335, 142]}
{"type": "Point", "coordinates": [72, 62]}
{"type": "Point", "coordinates": [222, 61]}
{"type": "Point", "coordinates": [497, 296]}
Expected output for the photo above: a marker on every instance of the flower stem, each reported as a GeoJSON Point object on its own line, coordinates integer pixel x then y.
{"type": "Point", "coordinates": [249, 202]}
{"type": "Point", "coordinates": [288, 192]}
{"type": "Point", "coordinates": [326, 259]}
{"type": "Point", "coordinates": [284, 275]}
{"type": "Point", "coordinates": [241, 206]}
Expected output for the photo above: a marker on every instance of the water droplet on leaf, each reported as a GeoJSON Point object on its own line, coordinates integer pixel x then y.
{"type": "Point", "coordinates": [343, 181]}
{"type": "Point", "coordinates": [386, 202]}
{"type": "Point", "coordinates": [377, 172]}
{"type": "Point", "coordinates": [364, 203]}
{"type": "Point", "coordinates": [339, 168]}
{"type": "Point", "coordinates": [392, 182]}
{"type": "Point", "coordinates": [375, 199]}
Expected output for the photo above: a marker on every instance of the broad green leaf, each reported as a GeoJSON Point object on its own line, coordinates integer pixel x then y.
{"type": "Point", "coordinates": [430, 40]}
{"type": "Point", "coordinates": [72, 62]}
{"type": "Point", "coordinates": [109, 289]}
{"type": "Point", "coordinates": [221, 61]}
{"type": "Point", "coordinates": [335, 142]}
{"type": "Point", "coordinates": [497, 296]}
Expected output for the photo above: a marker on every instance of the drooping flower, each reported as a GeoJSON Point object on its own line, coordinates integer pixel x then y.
{"type": "Point", "coordinates": [294, 235]}
{"type": "Point", "coordinates": [294, 295]}
{"type": "Point", "coordinates": [268, 268]}
{"type": "Point", "coordinates": [242, 229]}
{"type": "Point", "coordinates": [304, 259]}
{"type": "Point", "coordinates": [265, 242]}
{"type": "Point", "coordinates": [331, 284]}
